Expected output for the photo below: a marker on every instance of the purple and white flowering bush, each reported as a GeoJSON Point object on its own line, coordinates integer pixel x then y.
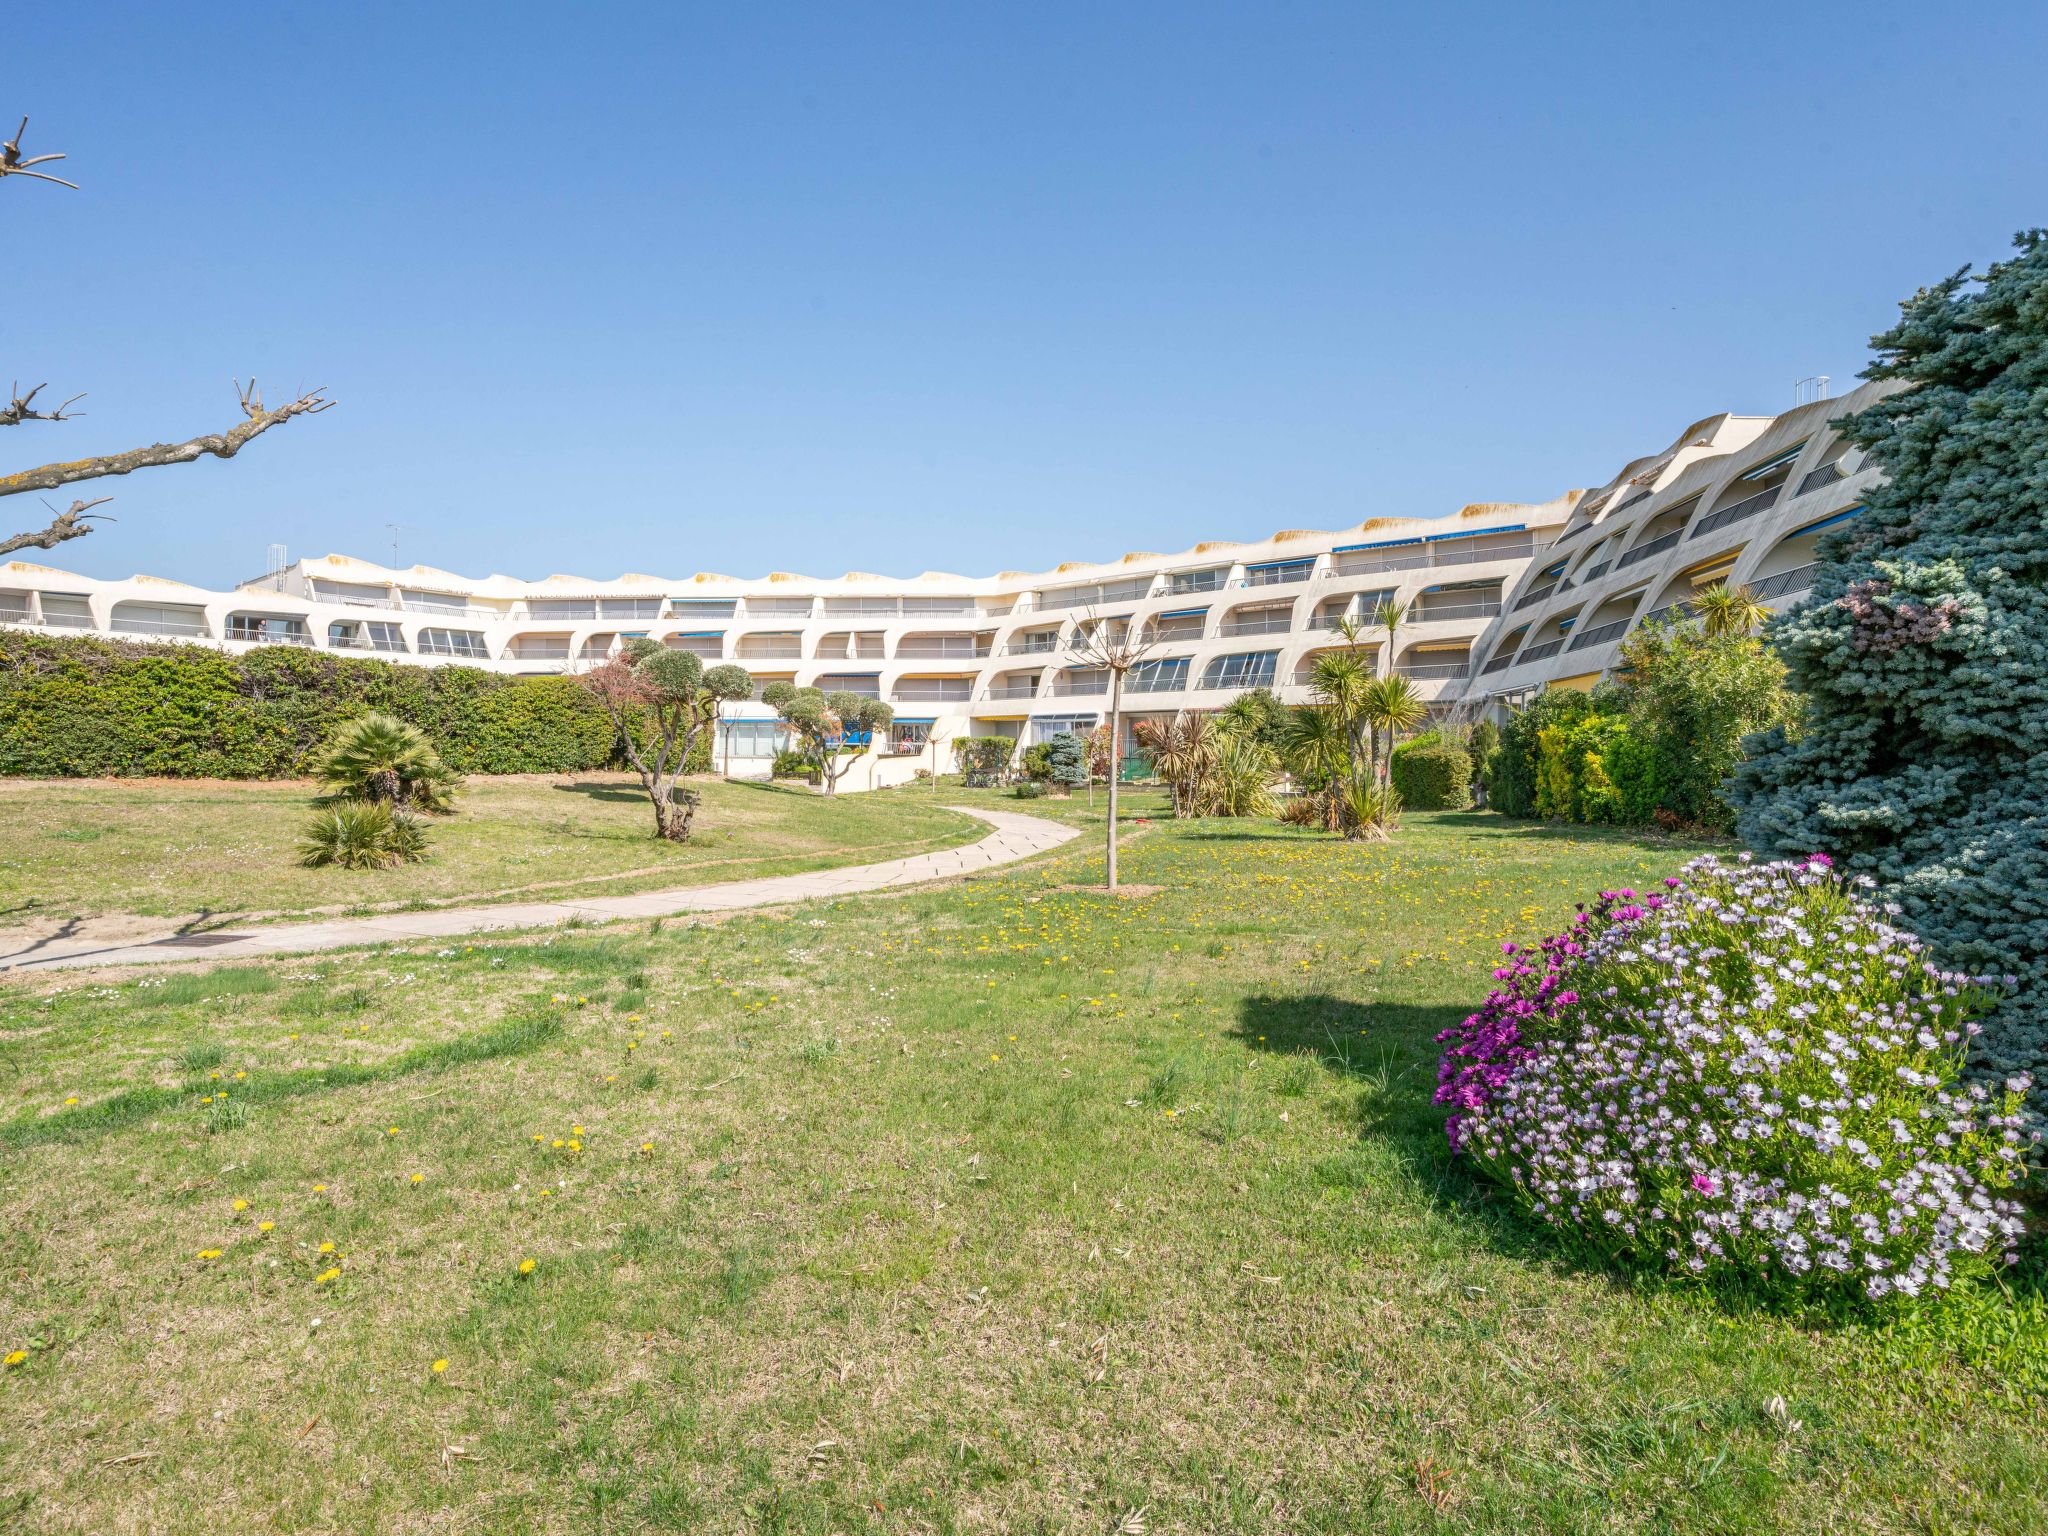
{"type": "Point", "coordinates": [1748, 1071]}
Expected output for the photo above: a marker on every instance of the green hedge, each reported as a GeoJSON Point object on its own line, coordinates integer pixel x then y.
{"type": "Point", "coordinates": [1433, 776]}
{"type": "Point", "coordinates": [77, 706]}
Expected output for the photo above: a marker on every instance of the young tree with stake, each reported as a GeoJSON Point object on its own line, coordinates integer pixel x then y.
{"type": "Point", "coordinates": [1112, 646]}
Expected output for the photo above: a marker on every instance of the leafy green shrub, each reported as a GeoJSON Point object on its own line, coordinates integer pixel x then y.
{"type": "Point", "coordinates": [377, 757]}
{"type": "Point", "coordinates": [362, 834]}
{"type": "Point", "coordinates": [1432, 775]}
{"type": "Point", "coordinates": [982, 759]}
{"type": "Point", "coordinates": [792, 765]}
{"type": "Point", "coordinates": [1481, 742]}
{"type": "Point", "coordinates": [1748, 1073]}
{"type": "Point", "coordinates": [1030, 789]}
{"type": "Point", "coordinates": [1511, 781]}
{"type": "Point", "coordinates": [1037, 761]}
{"type": "Point", "coordinates": [80, 706]}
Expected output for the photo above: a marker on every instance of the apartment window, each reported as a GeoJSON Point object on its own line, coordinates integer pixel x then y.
{"type": "Point", "coordinates": [13, 607]}
{"type": "Point", "coordinates": [561, 610]}
{"type": "Point", "coordinates": [778, 605]}
{"type": "Point", "coordinates": [435, 602]}
{"type": "Point", "coordinates": [67, 610]}
{"type": "Point", "coordinates": [1045, 727]}
{"type": "Point", "coordinates": [1251, 669]}
{"type": "Point", "coordinates": [158, 619]}
{"type": "Point", "coordinates": [1196, 581]}
{"type": "Point", "coordinates": [753, 738]}
{"type": "Point", "coordinates": [384, 637]}
{"type": "Point", "coordinates": [1168, 675]}
{"type": "Point", "coordinates": [1278, 572]}
{"type": "Point", "coordinates": [867, 684]}
{"type": "Point", "coordinates": [907, 737]}
{"type": "Point", "coordinates": [453, 642]}
{"type": "Point", "coordinates": [263, 629]}
{"type": "Point", "coordinates": [704, 608]}
{"type": "Point", "coordinates": [632, 608]}
{"type": "Point", "coordinates": [358, 593]}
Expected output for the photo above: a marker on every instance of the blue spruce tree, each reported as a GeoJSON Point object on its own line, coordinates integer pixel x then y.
{"type": "Point", "coordinates": [1922, 758]}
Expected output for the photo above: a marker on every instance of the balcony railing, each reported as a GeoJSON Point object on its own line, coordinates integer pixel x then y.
{"type": "Point", "coordinates": [1783, 584]}
{"type": "Point", "coordinates": [1534, 595]}
{"type": "Point", "coordinates": [932, 693]}
{"type": "Point", "coordinates": [1277, 624]}
{"type": "Point", "coordinates": [1594, 572]}
{"type": "Point", "coordinates": [1195, 581]}
{"type": "Point", "coordinates": [1066, 690]}
{"type": "Point", "coordinates": [786, 651]}
{"type": "Point", "coordinates": [1428, 669]}
{"type": "Point", "coordinates": [1544, 651]}
{"type": "Point", "coordinates": [1499, 663]}
{"type": "Point", "coordinates": [1749, 506]}
{"type": "Point", "coordinates": [1659, 615]}
{"type": "Point", "coordinates": [1011, 691]}
{"type": "Point", "coordinates": [450, 610]}
{"type": "Point", "coordinates": [1635, 500]}
{"type": "Point", "coordinates": [1432, 613]}
{"type": "Point", "coordinates": [1599, 634]}
{"type": "Point", "coordinates": [1816, 479]}
{"type": "Point", "coordinates": [1037, 646]}
{"type": "Point", "coordinates": [151, 626]}
{"type": "Point", "coordinates": [1179, 630]}
{"type": "Point", "coordinates": [1275, 576]}
{"type": "Point", "coordinates": [945, 650]}
{"type": "Point", "coordinates": [1643, 552]}
{"type": "Point", "coordinates": [1414, 561]}
{"type": "Point", "coordinates": [1571, 533]}
{"type": "Point", "coordinates": [517, 653]}
{"type": "Point", "coordinates": [1460, 556]}
{"type": "Point", "coordinates": [1157, 682]}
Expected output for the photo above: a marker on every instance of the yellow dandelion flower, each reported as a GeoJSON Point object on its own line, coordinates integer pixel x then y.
{"type": "Point", "coordinates": [319, 1189]}
{"type": "Point", "coordinates": [72, 1100]}
{"type": "Point", "coordinates": [266, 1226]}
{"type": "Point", "coordinates": [209, 1253]}
{"type": "Point", "coordinates": [646, 1146]}
{"type": "Point", "coordinates": [392, 1132]}
{"type": "Point", "coordinates": [326, 1275]}
{"type": "Point", "coordinates": [575, 1130]}
{"type": "Point", "coordinates": [419, 1178]}
{"type": "Point", "coordinates": [438, 1367]}
{"type": "Point", "coordinates": [241, 1205]}
{"type": "Point", "coordinates": [16, 1356]}
{"type": "Point", "coordinates": [327, 1247]}
{"type": "Point", "coordinates": [526, 1265]}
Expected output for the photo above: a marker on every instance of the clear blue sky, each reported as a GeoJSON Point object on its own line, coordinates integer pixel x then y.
{"type": "Point", "coordinates": [744, 287]}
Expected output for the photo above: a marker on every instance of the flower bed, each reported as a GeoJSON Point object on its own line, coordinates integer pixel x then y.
{"type": "Point", "coordinates": [1749, 1071]}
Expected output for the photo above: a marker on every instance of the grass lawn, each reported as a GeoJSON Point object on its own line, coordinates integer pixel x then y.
{"type": "Point", "coordinates": [172, 848]}
{"type": "Point", "coordinates": [1002, 1207]}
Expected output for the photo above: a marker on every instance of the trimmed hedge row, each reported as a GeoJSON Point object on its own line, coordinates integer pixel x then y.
{"type": "Point", "coordinates": [1432, 775]}
{"type": "Point", "coordinates": [77, 706]}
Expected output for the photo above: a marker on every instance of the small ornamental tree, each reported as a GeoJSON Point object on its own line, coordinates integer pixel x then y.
{"type": "Point", "coordinates": [660, 701]}
{"type": "Point", "coordinates": [832, 730]}
{"type": "Point", "coordinates": [983, 759]}
{"type": "Point", "coordinates": [1069, 758]}
{"type": "Point", "coordinates": [1922, 756]}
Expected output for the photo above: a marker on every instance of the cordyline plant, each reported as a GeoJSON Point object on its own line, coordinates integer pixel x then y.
{"type": "Point", "coordinates": [660, 701]}
{"type": "Point", "coordinates": [1749, 1072]}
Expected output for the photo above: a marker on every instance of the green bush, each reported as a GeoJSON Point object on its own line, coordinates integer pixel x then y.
{"type": "Point", "coordinates": [1067, 760]}
{"type": "Point", "coordinates": [982, 759]}
{"type": "Point", "coordinates": [362, 834]}
{"type": "Point", "coordinates": [1037, 762]}
{"type": "Point", "coordinates": [792, 765]}
{"type": "Point", "coordinates": [78, 706]}
{"type": "Point", "coordinates": [1432, 775]}
{"type": "Point", "coordinates": [1030, 789]}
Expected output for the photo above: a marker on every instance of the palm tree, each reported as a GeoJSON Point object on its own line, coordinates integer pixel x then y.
{"type": "Point", "coordinates": [1338, 680]}
{"type": "Point", "coordinates": [1726, 610]}
{"type": "Point", "coordinates": [1241, 782]}
{"type": "Point", "coordinates": [380, 758]}
{"type": "Point", "coordinates": [1317, 751]}
{"type": "Point", "coordinates": [1388, 616]}
{"type": "Point", "coordinates": [1184, 754]}
{"type": "Point", "coordinates": [1390, 706]}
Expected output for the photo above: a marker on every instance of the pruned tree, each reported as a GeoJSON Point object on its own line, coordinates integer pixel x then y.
{"type": "Point", "coordinates": [77, 520]}
{"type": "Point", "coordinates": [1117, 647]}
{"type": "Point", "coordinates": [660, 701]}
{"type": "Point", "coordinates": [833, 730]}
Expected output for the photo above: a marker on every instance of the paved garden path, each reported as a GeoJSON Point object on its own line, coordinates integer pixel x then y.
{"type": "Point", "coordinates": [1015, 837]}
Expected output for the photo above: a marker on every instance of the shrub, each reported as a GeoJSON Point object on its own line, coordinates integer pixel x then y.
{"type": "Point", "coordinates": [791, 765]}
{"type": "Point", "coordinates": [1067, 761]}
{"type": "Point", "coordinates": [362, 834]}
{"type": "Point", "coordinates": [1923, 757]}
{"type": "Point", "coordinates": [1304, 811]}
{"type": "Point", "coordinates": [1030, 789]}
{"type": "Point", "coordinates": [1432, 775]}
{"type": "Point", "coordinates": [1511, 781]}
{"type": "Point", "coordinates": [81, 706]}
{"type": "Point", "coordinates": [1037, 761]}
{"type": "Point", "coordinates": [1749, 1073]}
{"type": "Point", "coordinates": [1481, 742]}
{"type": "Point", "coordinates": [377, 757]}
{"type": "Point", "coordinates": [983, 759]}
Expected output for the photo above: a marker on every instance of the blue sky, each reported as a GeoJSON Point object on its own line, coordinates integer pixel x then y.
{"type": "Point", "coordinates": [964, 287]}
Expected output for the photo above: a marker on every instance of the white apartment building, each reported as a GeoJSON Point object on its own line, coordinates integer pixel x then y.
{"type": "Point", "coordinates": [1498, 600]}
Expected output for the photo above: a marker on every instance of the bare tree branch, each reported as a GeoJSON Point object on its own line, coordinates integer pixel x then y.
{"type": "Point", "coordinates": [1115, 646]}
{"type": "Point", "coordinates": [11, 163]}
{"type": "Point", "coordinates": [71, 523]}
{"type": "Point", "coordinates": [21, 408]}
{"type": "Point", "coordinates": [219, 445]}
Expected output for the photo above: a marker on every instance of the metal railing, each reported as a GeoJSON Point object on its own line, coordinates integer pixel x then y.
{"type": "Point", "coordinates": [909, 649]}
{"type": "Point", "coordinates": [1783, 584]}
{"type": "Point", "coordinates": [1815, 479]}
{"type": "Point", "coordinates": [1198, 581]}
{"type": "Point", "coordinates": [1599, 634]}
{"type": "Point", "coordinates": [1749, 506]}
{"type": "Point", "coordinates": [1377, 564]}
{"type": "Point", "coordinates": [1521, 551]}
{"type": "Point", "coordinates": [1635, 500]}
{"type": "Point", "coordinates": [1544, 651]}
{"type": "Point", "coordinates": [1032, 647]}
{"type": "Point", "coordinates": [1571, 533]}
{"type": "Point", "coordinates": [915, 693]}
{"type": "Point", "coordinates": [516, 653]}
{"type": "Point", "coordinates": [1534, 596]}
{"type": "Point", "coordinates": [1175, 681]}
{"type": "Point", "coordinates": [1011, 691]}
{"type": "Point", "coordinates": [1276, 576]}
{"type": "Point", "coordinates": [1432, 613]}
{"type": "Point", "coordinates": [154, 626]}
{"type": "Point", "coordinates": [1276, 625]}
{"type": "Point", "coordinates": [1499, 663]}
{"type": "Point", "coordinates": [1658, 615]}
{"type": "Point", "coordinates": [1066, 690]}
{"type": "Point", "coordinates": [1427, 669]}
{"type": "Point", "coordinates": [448, 610]}
{"type": "Point", "coordinates": [1179, 629]}
{"type": "Point", "coordinates": [1656, 546]}
{"type": "Point", "coordinates": [788, 651]}
{"type": "Point", "coordinates": [1594, 572]}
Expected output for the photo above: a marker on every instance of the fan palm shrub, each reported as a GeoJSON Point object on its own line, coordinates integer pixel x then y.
{"type": "Point", "coordinates": [1241, 784]}
{"type": "Point", "coordinates": [361, 834]}
{"type": "Point", "coordinates": [1317, 752]}
{"type": "Point", "coordinates": [378, 758]}
{"type": "Point", "coordinates": [1726, 610]}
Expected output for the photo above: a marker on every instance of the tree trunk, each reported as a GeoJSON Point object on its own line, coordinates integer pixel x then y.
{"type": "Point", "coordinates": [673, 811]}
{"type": "Point", "coordinates": [384, 784]}
{"type": "Point", "coordinates": [1116, 695]}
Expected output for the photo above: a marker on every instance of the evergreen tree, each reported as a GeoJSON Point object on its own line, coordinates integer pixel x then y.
{"type": "Point", "coordinates": [1922, 757]}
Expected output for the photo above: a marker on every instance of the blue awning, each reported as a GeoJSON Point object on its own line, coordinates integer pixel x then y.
{"type": "Point", "coordinates": [702, 634]}
{"type": "Point", "coordinates": [1826, 522]}
{"type": "Point", "coordinates": [1478, 533]}
{"type": "Point", "coordinates": [1185, 613]}
{"type": "Point", "coordinates": [1432, 538]}
{"type": "Point", "coordinates": [1279, 565]}
{"type": "Point", "coordinates": [915, 720]}
{"type": "Point", "coordinates": [1348, 549]}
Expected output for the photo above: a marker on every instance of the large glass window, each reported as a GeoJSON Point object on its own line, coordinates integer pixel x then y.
{"type": "Point", "coordinates": [453, 642]}
{"type": "Point", "coordinates": [1168, 675]}
{"type": "Point", "coordinates": [1252, 669]}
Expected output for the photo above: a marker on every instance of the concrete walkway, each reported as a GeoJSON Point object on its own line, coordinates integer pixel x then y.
{"type": "Point", "coordinates": [1015, 837]}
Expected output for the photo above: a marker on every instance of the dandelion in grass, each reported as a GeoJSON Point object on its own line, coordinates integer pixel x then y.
{"type": "Point", "coordinates": [526, 1266]}
{"type": "Point", "coordinates": [16, 1356]}
{"type": "Point", "coordinates": [207, 1255]}
{"type": "Point", "coordinates": [419, 1178]}
{"type": "Point", "coordinates": [438, 1367]}
{"type": "Point", "coordinates": [327, 1276]}
{"type": "Point", "coordinates": [266, 1226]}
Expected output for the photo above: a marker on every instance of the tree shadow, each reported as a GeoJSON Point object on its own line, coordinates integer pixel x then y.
{"type": "Point", "coordinates": [610, 794]}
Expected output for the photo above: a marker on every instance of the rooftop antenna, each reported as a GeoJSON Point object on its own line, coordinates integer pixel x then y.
{"type": "Point", "coordinates": [396, 529]}
{"type": "Point", "coordinates": [1811, 391]}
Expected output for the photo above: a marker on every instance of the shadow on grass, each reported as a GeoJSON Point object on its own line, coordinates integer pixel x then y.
{"type": "Point", "coordinates": [514, 1038]}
